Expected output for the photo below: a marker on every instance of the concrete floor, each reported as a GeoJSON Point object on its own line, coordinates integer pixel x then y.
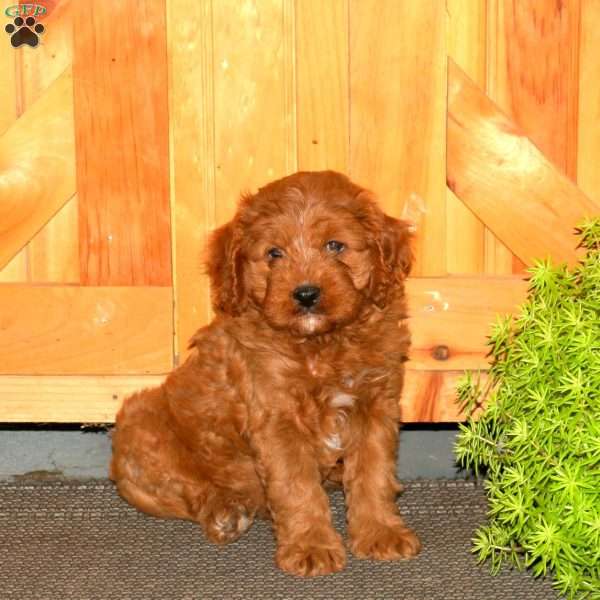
{"type": "Point", "coordinates": [424, 453]}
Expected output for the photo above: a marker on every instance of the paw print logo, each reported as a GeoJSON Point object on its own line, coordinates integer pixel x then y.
{"type": "Point", "coordinates": [24, 31]}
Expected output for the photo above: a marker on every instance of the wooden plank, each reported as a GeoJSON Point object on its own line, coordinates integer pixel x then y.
{"type": "Point", "coordinates": [466, 36]}
{"type": "Point", "coordinates": [16, 268]}
{"type": "Point", "coordinates": [322, 79]}
{"type": "Point", "coordinates": [38, 168]}
{"type": "Point", "coordinates": [398, 111]}
{"type": "Point", "coordinates": [588, 130]}
{"type": "Point", "coordinates": [465, 233]}
{"type": "Point", "coordinates": [534, 75]}
{"type": "Point", "coordinates": [290, 85]}
{"type": "Point", "coordinates": [465, 238]}
{"type": "Point", "coordinates": [427, 397]}
{"type": "Point", "coordinates": [53, 253]}
{"type": "Point", "coordinates": [40, 66]}
{"type": "Point", "coordinates": [254, 91]}
{"type": "Point", "coordinates": [498, 259]}
{"type": "Point", "coordinates": [67, 399]}
{"type": "Point", "coordinates": [451, 317]}
{"type": "Point", "coordinates": [60, 330]}
{"type": "Point", "coordinates": [506, 181]}
{"type": "Point", "coordinates": [8, 79]}
{"type": "Point", "coordinates": [542, 101]}
{"type": "Point", "coordinates": [454, 312]}
{"type": "Point", "coordinates": [192, 156]}
{"type": "Point", "coordinates": [122, 135]}
{"type": "Point", "coordinates": [430, 397]}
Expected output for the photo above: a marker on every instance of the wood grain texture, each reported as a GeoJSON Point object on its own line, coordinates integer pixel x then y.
{"type": "Point", "coordinates": [122, 133]}
{"type": "Point", "coordinates": [498, 259]}
{"type": "Point", "coordinates": [40, 66]}
{"type": "Point", "coordinates": [588, 130]}
{"type": "Point", "coordinates": [450, 318]}
{"type": "Point", "coordinates": [16, 268]}
{"type": "Point", "coordinates": [465, 233]}
{"type": "Point", "coordinates": [8, 80]}
{"type": "Point", "coordinates": [533, 74]}
{"type": "Point", "coordinates": [504, 179]}
{"type": "Point", "coordinates": [58, 330]}
{"type": "Point", "coordinates": [430, 397]}
{"type": "Point", "coordinates": [37, 161]}
{"type": "Point", "coordinates": [465, 238]}
{"type": "Point", "coordinates": [58, 399]}
{"type": "Point", "coordinates": [53, 253]}
{"type": "Point", "coordinates": [322, 82]}
{"type": "Point", "coordinates": [290, 85]}
{"type": "Point", "coordinates": [192, 113]}
{"type": "Point", "coordinates": [398, 111]}
{"type": "Point", "coordinates": [254, 91]}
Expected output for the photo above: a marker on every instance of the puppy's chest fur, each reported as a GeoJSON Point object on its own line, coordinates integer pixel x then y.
{"type": "Point", "coordinates": [329, 388]}
{"type": "Point", "coordinates": [333, 394]}
{"type": "Point", "coordinates": [333, 398]}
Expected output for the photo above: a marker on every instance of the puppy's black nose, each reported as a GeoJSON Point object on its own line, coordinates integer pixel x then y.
{"type": "Point", "coordinates": [307, 295]}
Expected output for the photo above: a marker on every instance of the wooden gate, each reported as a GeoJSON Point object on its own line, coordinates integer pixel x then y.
{"type": "Point", "coordinates": [128, 132]}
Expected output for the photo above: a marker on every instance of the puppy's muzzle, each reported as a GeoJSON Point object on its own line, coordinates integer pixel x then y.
{"type": "Point", "coordinates": [307, 296]}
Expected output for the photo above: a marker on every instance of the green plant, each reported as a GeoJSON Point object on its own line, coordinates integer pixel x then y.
{"type": "Point", "coordinates": [538, 438]}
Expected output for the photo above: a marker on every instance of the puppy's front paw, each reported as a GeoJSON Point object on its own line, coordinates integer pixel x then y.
{"type": "Point", "coordinates": [385, 542]}
{"type": "Point", "coordinates": [309, 560]}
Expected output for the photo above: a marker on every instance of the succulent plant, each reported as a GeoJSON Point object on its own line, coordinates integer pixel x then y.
{"type": "Point", "coordinates": [537, 439]}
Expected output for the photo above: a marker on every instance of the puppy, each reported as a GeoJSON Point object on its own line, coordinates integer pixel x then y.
{"type": "Point", "coordinates": [296, 382]}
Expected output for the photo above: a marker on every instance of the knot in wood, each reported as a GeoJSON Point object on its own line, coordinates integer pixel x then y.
{"type": "Point", "coordinates": [441, 352]}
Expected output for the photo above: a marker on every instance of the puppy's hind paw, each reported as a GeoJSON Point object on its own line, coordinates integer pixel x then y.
{"type": "Point", "coordinates": [227, 523]}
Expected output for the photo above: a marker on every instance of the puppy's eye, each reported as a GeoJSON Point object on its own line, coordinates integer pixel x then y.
{"type": "Point", "coordinates": [334, 246]}
{"type": "Point", "coordinates": [274, 253]}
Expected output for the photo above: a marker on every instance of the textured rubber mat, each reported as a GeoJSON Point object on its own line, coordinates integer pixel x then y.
{"type": "Point", "coordinates": [80, 540]}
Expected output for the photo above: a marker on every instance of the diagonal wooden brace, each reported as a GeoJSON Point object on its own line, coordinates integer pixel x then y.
{"type": "Point", "coordinates": [506, 181]}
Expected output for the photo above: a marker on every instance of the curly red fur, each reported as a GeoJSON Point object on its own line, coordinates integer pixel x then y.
{"type": "Point", "coordinates": [277, 397]}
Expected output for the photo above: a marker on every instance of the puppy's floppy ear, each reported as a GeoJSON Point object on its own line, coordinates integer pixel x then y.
{"type": "Point", "coordinates": [224, 266]}
{"type": "Point", "coordinates": [396, 237]}
{"type": "Point", "coordinates": [394, 258]}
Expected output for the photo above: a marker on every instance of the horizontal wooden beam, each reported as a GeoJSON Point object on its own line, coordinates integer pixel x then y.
{"type": "Point", "coordinates": [451, 317]}
{"type": "Point", "coordinates": [58, 330]}
{"type": "Point", "coordinates": [429, 396]}
{"type": "Point", "coordinates": [67, 399]}
{"type": "Point", "coordinates": [86, 331]}
{"type": "Point", "coordinates": [506, 181]}
{"type": "Point", "coordinates": [37, 167]}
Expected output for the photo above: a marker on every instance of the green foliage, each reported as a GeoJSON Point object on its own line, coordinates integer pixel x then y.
{"type": "Point", "coordinates": [538, 439]}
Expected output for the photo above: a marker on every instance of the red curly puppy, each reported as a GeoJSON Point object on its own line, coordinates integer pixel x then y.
{"type": "Point", "coordinates": [295, 382]}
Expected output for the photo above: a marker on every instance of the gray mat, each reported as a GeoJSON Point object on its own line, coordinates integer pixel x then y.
{"type": "Point", "coordinates": [80, 540]}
